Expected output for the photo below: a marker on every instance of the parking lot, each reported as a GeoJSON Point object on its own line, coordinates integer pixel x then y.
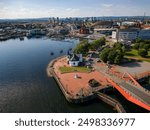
{"type": "Point", "coordinates": [135, 67]}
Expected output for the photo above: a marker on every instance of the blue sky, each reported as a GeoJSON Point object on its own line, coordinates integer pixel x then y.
{"type": "Point", "coordinates": [72, 8]}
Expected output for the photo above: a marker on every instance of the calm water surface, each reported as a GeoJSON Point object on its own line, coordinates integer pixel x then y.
{"type": "Point", "coordinates": [24, 85]}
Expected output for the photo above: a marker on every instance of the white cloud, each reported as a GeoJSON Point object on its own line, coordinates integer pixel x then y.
{"type": "Point", "coordinates": [107, 5]}
{"type": "Point", "coordinates": [23, 11]}
{"type": "Point", "coordinates": [28, 12]}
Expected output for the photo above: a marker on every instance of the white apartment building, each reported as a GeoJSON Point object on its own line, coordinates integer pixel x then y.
{"type": "Point", "coordinates": [128, 35]}
{"type": "Point", "coordinates": [125, 35]}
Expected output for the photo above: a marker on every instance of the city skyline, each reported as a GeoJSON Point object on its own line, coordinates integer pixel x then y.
{"type": "Point", "coordinates": [72, 8]}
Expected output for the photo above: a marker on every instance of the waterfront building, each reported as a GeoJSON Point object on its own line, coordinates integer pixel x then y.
{"type": "Point", "coordinates": [103, 27]}
{"type": "Point", "coordinates": [125, 35]}
{"type": "Point", "coordinates": [105, 31]}
{"type": "Point", "coordinates": [84, 30]}
{"type": "Point", "coordinates": [128, 23]}
{"type": "Point", "coordinates": [75, 59]}
{"type": "Point", "coordinates": [35, 31]}
{"type": "Point", "coordinates": [103, 24]}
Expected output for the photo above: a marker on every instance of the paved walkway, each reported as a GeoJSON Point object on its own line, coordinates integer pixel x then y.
{"type": "Point", "coordinates": [78, 86]}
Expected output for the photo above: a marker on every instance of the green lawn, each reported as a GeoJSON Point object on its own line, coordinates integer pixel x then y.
{"type": "Point", "coordinates": [109, 43]}
{"type": "Point", "coordinates": [74, 69]}
{"type": "Point", "coordinates": [133, 54]}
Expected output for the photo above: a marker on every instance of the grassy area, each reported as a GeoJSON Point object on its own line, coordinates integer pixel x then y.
{"type": "Point", "coordinates": [133, 54]}
{"type": "Point", "coordinates": [74, 69]}
{"type": "Point", "coordinates": [109, 43]}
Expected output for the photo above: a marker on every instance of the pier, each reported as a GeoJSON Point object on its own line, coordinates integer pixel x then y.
{"type": "Point", "coordinates": [110, 101]}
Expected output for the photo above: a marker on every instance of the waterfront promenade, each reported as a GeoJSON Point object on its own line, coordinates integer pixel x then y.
{"type": "Point", "coordinates": [77, 89]}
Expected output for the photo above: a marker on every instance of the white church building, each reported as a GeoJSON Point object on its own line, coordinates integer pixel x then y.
{"type": "Point", "coordinates": [75, 59]}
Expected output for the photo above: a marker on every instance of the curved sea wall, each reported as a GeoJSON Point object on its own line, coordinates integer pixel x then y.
{"type": "Point", "coordinates": [81, 99]}
{"type": "Point", "coordinates": [70, 98]}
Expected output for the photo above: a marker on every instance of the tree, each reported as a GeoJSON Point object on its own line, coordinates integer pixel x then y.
{"type": "Point", "coordinates": [82, 48]}
{"type": "Point", "coordinates": [84, 41]}
{"type": "Point", "coordinates": [118, 45]}
{"type": "Point", "coordinates": [139, 40]}
{"type": "Point", "coordinates": [102, 41]}
{"type": "Point", "coordinates": [111, 56]}
{"type": "Point", "coordinates": [142, 45]}
{"type": "Point", "coordinates": [117, 60]}
{"type": "Point", "coordinates": [95, 45]}
{"type": "Point", "coordinates": [104, 54]}
{"type": "Point", "coordinates": [120, 52]}
{"type": "Point", "coordinates": [143, 52]}
{"type": "Point", "coordinates": [98, 43]}
{"type": "Point", "coordinates": [146, 47]}
{"type": "Point", "coordinates": [147, 41]}
{"type": "Point", "coordinates": [123, 49]}
{"type": "Point", "coordinates": [136, 46]}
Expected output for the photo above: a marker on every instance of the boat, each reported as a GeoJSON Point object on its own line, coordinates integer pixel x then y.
{"type": "Point", "coordinates": [51, 53]}
{"type": "Point", "coordinates": [69, 40]}
{"type": "Point", "coordinates": [61, 51]}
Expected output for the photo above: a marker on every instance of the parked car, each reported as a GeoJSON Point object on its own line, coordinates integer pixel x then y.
{"type": "Point", "coordinates": [98, 60]}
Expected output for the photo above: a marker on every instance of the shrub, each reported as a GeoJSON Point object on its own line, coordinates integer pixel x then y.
{"type": "Point", "coordinates": [143, 52]}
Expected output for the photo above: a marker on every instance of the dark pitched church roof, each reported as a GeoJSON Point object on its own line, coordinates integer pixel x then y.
{"type": "Point", "coordinates": [74, 57]}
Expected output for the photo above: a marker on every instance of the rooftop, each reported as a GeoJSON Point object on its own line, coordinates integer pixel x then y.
{"type": "Point", "coordinates": [74, 57]}
{"type": "Point", "coordinates": [128, 30]}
